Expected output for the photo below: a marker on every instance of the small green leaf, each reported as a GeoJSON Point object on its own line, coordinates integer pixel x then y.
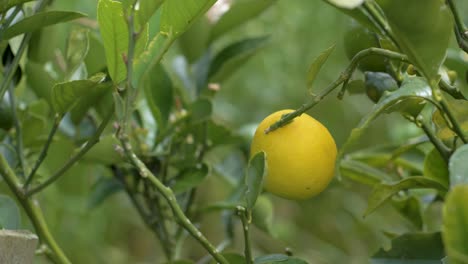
{"type": "Point", "coordinates": [10, 217]}
{"type": "Point", "coordinates": [348, 4]}
{"type": "Point", "coordinates": [190, 178]}
{"type": "Point", "coordinates": [316, 65]}
{"type": "Point", "coordinates": [455, 221]}
{"type": "Point", "coordinates": [435, 168]}
{"type": "Point", "coordinates": [262, 214]}
{"type": "Point", "coordinates": [361, 172]}
{"type": "Point", "coordinates": [458, 166]}
{"type": "Point", "coordinates": [114, 32]}
{"type": "Point", "coordinates": [410, 208]}
{"type": "Point", "coordinates": [38, 21]}
{"type": "Point", "coordinates": [178, 15]}
{"type": "Point", "coordinates": [273, 258]}
{"type": "Point", "coordinates": [412, 88]}
{"type": "Point", "coordinates": [239, 13]}
{"type": "Point", "coordinates": [201, 110]}
{"type": "Point", "coordinates": [382, 192]}
{"type": "Point", "coordinates": [425, 39]}
{"type": "Point", "coordinates": [158, 91]}
{"type": "Point", "coordinates": [256, 171]}
{"type": "Point", "coordinates": [103, 189]}
{"type": "Point", "coordinates": [233, 56]}
{"type": "Point", "coordinates": [419, 247]}
{"type": "Point", "coordinates": [66, 95]}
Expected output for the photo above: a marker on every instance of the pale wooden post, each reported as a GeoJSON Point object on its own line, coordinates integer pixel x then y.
{"type": "Point", "coordinates": [17, 246]}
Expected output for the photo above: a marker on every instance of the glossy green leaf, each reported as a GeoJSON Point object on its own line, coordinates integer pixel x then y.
{"type": "Point", "coordinates": [114, 32]}
{"type": "Point", "coordinates": [455, 221]}
{"type": "Point", "coordinates": [201, 110]}
{"type": "Point", "coordinates": [103, 189]}
{"type": "Point", "coordinates": [459, 109]}
{"type": "Point", "coordinates": [435, 168]}
{"type": "Point", "coordinates": [233, 57]}
{"type": "Point", "coordinates": [10, 217]}
{"type": "Point", "coordinates": [361, 172]}
{"type": "Point", "coordinates": [411, 88]}
{"type": "Point", "coordinates": [316, 65]}
{"type": "Point", "coordinates": [384, 191]}
{"type": "Point", "coordinates": [239, 13]}
{"type": "Point", "coordinates": [458, 166]}
{"type": "Point", "coordinates": [7, 4]}
{"type": "Point", "coordinates": [415, 248]}
{"type": "Point", "coordinates": [262, 214]}
{"type": "Point", "coordinates": [178, 15]}
{"type": "Point", "coordinates": [146, 10]}
{"type": "Point", "coordinates": [158, 89]}
{"type": "Point", "coordinates": [190, 178]}
{"type": "Point", "coordinates": [38, 21]}
{"type": "Point", "coordinates": [424, 38]}
{"type": "Point", "coordinates": [349, 4]}
{"type": "Point", "coordinates": [256, 171]}
{"type": "Point", "coordinates": [66, 95]}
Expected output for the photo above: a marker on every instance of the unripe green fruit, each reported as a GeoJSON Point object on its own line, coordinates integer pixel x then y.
{"type": "Point", "coordinates": [359, 38]}
{"type": "Point", "coordinates": [6, 116]}
{"type": "Point", "coordinates": [377, 83]}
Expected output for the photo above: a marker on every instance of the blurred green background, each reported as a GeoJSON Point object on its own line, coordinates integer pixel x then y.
{"type": "Point", "coordinates": [326, 229]}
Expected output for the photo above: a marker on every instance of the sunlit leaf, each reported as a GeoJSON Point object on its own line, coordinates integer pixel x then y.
{"type": "Point", "coordinates": [38, 21]}
{"type": "Point", "coordinates": [349, 4]}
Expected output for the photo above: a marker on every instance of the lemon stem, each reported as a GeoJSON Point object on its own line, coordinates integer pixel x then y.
{"type": "Point", "coordinates": [244, 216]}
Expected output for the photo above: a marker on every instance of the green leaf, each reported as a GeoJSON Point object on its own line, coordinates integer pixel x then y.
{"type": "Point", "coordinates": [262, 214]}
{"type": "Point", "coordinates": [317, 64]}
{"type": "Point", "coordinates": [232, 258]}
{"type": "Point", "coordinates": [459, 109]}
{"type": "Point", "coordinates": [10, 217]}
{"type": "Point", "coordinates": [180, 261]}
{"type": "Point", "coordinates": [435, 168]}
{"type": "Point", "coordinates": [77, 49]}
{"type": "Point", "coordinates": [218, 134]}
{"type": "Point", "coordinates": [358, 15]}
{"type": "Point", "coordinates": [458, 166]}
{"type": "Point", "coordinates": [361, 172]}
{"type": "Point", "coordinates": [278, 258]}
{"type": "Point", "coordinates": [455, 221]}
{"type": "Point", "coordinates": [424, 38]}
{"type": "Point", "coordinates": [194, 42]}
{"type": "Point", "coordinates": [38, 21]}
{"type": "Point", "coordinates": [146, 10]}
{"type": "Point", "coordinates": [201, 110]}
{"type": "Point", "coordinates": [233, 57]}
{"type": "Point", "coordinates": [239, 13]}
{"type": "Point", "coordinates": [7, 4]}
{"type": "Point", "coordinates": [66, 95]}
{"type": "Point", "coordinates": [410, 208]}
{"type": "Point", "coordinates": [348, 4]}
{"type": "Point", "coordinates": [104, 152]}
{"type": "Point", "coordinates": [103, 189]}
{"type": "Point", "coordinates": [412, 88]}
{"type": "Point", "coordinates": [417, 247]}
{"type": "Point", "coordinates": [178, 15]}
{"type": "Point", "coordinates": [382, 192]}
{"type": "Point", "coordinates": [158, 89]}
{"type": "Point", "coordinates": [114, 32]}
{"type": "Point", "coordinates": [96, 97]}
{"type": "Point", "coordinates": [256, 171]}
{"type": "Point", "coordinates": [190, 178]}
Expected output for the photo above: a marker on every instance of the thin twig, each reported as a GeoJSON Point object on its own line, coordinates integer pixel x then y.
{"type": "Point", "coordinates": [89, 144]}
{"type": "Point", "coordinates": [459, 28]}
{"type": "Point", "coordinates": [443, 150]}
{"type": "Point", "coordinates": [245, 218]}
{"type": "Point", "coordinates": [44, 150]}
{"type": "Point", "coordinates": [346, 74]}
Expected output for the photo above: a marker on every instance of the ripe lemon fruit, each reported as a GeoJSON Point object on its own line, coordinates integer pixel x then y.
{"type": "Point", "coordinates": [300, 156]}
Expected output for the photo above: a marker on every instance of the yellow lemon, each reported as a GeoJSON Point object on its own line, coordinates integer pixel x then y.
{"type": "Point", "coordinates": [300, 156]}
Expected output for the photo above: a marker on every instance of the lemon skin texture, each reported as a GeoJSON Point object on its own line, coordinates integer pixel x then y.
{"type": "Point", "coordinates": [300, 156]}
